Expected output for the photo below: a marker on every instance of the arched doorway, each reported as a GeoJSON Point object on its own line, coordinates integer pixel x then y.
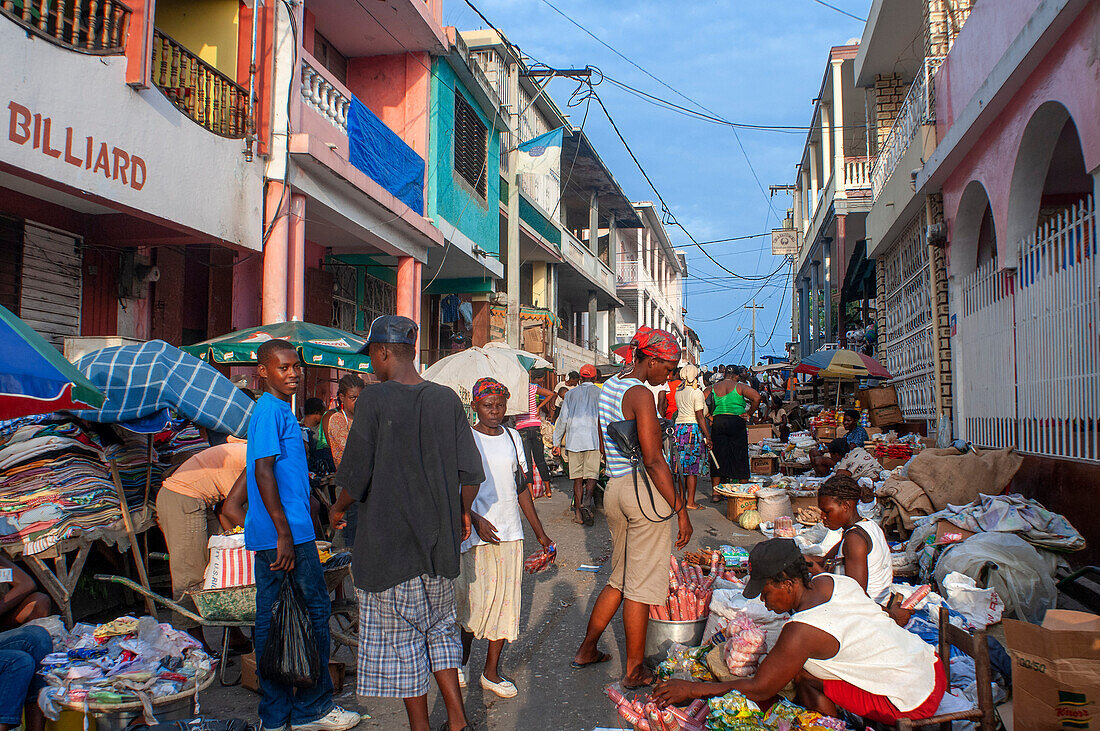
{"type": "Point", "coordinates": [983, 348]}
{"type": "Point", "coordinates": [1057, 307]}
{"type": "Point", "coordinates": [1028, 302]}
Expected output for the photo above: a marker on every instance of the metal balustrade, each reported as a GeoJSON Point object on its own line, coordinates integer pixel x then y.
{"type": "Point", "coordinates": [919, 108]}
{"type": "Point", "coordinates": [199, 90]}
{"type": "Point", "coordinates": [89, 26]}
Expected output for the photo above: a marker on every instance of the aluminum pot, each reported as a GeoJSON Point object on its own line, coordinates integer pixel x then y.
{"type": "Point", "coordinates": [664, 633]}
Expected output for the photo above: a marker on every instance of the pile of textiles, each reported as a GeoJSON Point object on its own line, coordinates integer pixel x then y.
{"type": "Point", "coordinates": [54, 483]}
{"type": "Point", "coordinates": [120, 661]}
{"type": "Point", "coordinates": [131, 455]}
{"type": "Point", "coordinates": [179, 442]}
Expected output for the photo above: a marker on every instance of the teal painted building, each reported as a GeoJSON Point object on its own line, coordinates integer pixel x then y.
{"type": "Point", "coordinates": [463, 178]}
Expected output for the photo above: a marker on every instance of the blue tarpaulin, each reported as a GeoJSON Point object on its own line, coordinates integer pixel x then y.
{"type": "Point", "coordinates": [382, 155]}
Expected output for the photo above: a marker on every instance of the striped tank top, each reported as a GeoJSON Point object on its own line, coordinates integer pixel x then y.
{"type": "Point", "coordinates": [610, 409]}
{"type": "Point", "coordinates": [532, 418]}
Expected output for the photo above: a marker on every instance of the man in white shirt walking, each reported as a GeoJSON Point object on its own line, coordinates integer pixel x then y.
{"type": "Point", "coordinates": [577, 428]}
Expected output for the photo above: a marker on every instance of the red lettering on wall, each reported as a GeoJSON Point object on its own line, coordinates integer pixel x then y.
{"type": "Point", "coordinates": [120, 169]}
{"type": "Point", "coordinates": [114, 162]}
{"type": "Point", "coordinates": [69, 158]}
{"type": "Point", "coordinates": [19, 126]}
{"type": "Point", "coordinates": [46, 139]}
{"type": "Point", "coordinates": [103, 161]}
{"type": "Point", "coordinates": [136, 164]}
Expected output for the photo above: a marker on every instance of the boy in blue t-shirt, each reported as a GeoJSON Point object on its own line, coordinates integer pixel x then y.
{"type": "Point", "coordinates": [279, 528]}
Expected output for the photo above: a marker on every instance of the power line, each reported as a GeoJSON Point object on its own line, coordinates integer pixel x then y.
{"type": "Point", "coordinates": [841, 11]}
{"type": "Point", "coordinates": [679, 93]}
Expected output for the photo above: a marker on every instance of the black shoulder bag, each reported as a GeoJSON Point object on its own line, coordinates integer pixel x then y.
{"type": "Point", "coordinates": [625, 436]}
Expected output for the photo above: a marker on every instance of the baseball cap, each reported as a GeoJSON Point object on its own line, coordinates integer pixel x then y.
{"type": "Point", "coordinates": [391, 329]}
{"type": "Point", "coordinates": [588, 371]}
{"type": "Point", "coordinates": [767, 559]}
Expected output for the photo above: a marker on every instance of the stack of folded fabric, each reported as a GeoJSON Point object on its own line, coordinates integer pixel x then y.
{"type": "Point", "coordinates": [180, 441]}
{"type": "Point", "coordinates": [132, 457]}
{"type": "Point", "coordinates": [54, 484]}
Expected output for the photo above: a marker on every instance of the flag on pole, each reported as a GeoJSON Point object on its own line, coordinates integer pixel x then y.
{"type": "Point", "coordinates": [540, 155]}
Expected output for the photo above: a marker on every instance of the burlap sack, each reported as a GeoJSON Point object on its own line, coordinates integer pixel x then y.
{"type": "Point", "coordinates": [908, 498]}
{"type": "Point", "coordinates": [948, 477]}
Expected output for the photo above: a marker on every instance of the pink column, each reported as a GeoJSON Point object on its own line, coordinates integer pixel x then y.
{"type": "Point", "coordinates": [408, 290]}
{"type": "Point", "coordinates": [276, 213]}
{"type": "Point", "coordinates": [296, 266]}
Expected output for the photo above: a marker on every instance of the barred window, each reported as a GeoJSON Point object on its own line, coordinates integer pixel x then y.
{"type": "Point", "coordinates": [470, 142]}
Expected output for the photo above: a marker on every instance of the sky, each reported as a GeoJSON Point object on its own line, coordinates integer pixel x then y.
{"type": "Point", "coordinates": [748, 62]}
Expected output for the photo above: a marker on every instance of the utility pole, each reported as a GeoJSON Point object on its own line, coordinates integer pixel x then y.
{"type": "Point", "coordinates": [752, 332]}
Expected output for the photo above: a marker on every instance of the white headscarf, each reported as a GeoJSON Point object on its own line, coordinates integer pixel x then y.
{"type": "Point", "coordinates": [690, 375]}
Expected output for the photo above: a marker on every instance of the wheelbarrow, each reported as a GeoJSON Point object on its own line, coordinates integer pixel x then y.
{"type": "Point", "coordinates": [236, 607]}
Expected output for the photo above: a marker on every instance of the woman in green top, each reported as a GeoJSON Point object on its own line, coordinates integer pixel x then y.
{"type": "Point", "coordinates": [734, 401]}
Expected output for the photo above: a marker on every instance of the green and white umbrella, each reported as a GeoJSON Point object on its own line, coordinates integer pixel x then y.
{"type": "Point", "coordinates": [318, 346]}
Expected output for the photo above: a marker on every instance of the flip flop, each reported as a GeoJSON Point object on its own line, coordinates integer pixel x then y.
{"type": "Point", "coordinates": [695, 507]}
{"type": "Point", "coordinates": [604, 657]}
{"type": "Point", "coordinates": [637, 687]}
{"type": "Point", "coordinates": [588, 515]}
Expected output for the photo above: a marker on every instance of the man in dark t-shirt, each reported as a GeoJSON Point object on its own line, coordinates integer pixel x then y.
{"type": "Point", "coordinates": [411, 461]}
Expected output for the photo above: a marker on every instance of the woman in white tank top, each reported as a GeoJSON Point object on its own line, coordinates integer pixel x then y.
{"type": "Point", "coordinates": [839, 648]}
{"type": "Point", "coordinates": [862, 553]}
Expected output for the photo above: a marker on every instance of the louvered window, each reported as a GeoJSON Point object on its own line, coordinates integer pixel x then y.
{"type": "Point", "coordinates": [470, 145]}
{"type": "Point", "coordinates": [11, 262]}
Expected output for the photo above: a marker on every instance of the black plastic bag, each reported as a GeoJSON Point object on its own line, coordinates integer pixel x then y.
{"type": "Point", "coordinates": [290, 656]}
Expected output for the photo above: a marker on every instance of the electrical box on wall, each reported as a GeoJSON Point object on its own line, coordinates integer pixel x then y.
{"type": "Point", "coordinates": [134, 275]}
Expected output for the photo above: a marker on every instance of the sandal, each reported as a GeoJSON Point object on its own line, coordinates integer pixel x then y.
{"type": "Point", "coordinates": [604, 657]}
{"type": "Point", "coordinates": [588, 516]}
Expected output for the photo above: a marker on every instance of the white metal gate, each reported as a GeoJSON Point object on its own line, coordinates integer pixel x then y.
{"type": "Point", "coordinates": [910, 353]}
{"type": "Point", "coordinates": [1027, 347]}
{"type": "Point", "coordinates": [1057, 315]}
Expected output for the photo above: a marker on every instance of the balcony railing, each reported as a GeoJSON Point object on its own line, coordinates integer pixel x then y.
{"type": "Point", "coordinates": [857, 172]}
{"type": "Point", "coordinates": [89, 26]}
{"type": "Point", "coordinates": [199, 90]}
{"type": "Point", "coordinates": [918, 108]}
{"type": "Point", "coordinates": [628, 272]}
{"type": "Point", "coordinates": [324, 97]}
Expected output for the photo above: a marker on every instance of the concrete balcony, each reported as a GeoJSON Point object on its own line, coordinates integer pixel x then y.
{"type": "Point", "coordinates": [369, 214]}
{"type": "Point", "coordinates": [918, 109]}
{"type": "Point", "coordinates": [380, 27]}
{"type": "Point", "coordinates": [587, 263]}
{"type": "Point", "coordinates": [81, 126]}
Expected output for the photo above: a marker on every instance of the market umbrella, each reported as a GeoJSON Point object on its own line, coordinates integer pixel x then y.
{"type": "Point", "coordinates": [143, 380]}
{"type": "Point", "coordinates": [841, 363]}
{"type": "Point", "coordinates": [461, 371]}
{"type": "Point", "coordinates": [324, 347]}
{"type": "Point", "coordinates": [530, 361]}
{"type": "Point", "coordinates": [34, 377]}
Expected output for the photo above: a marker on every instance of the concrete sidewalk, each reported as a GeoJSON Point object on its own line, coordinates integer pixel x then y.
{"type": "Point", "coordinates": [556, 604]}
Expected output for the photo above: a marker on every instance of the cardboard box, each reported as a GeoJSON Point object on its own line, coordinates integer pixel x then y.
{"type": "Point", "coordinates": [1055, 671]}
{"type": "Point", "coordinates": [336, 671]}
{"type": "Point", "coordinates": [764, 464]}
{"type": "Point", "coordinates": [886, 416]}
{"type": "Point", "coordinates": [890, 464]}
{"type": "Point", "coordinates": [877, 398]}
{"type": "Point", "coordinates": [825, 433]}
{"type": "Point", "coordinates": [758, 432]}
{"type": "Point", "coordinates": [248, 673]}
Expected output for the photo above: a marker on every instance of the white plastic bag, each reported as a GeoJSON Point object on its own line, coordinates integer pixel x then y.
{"type": "Point", "coordinates": [1021, 578]}
{"type": "Point", "coordinates": [981, 607]}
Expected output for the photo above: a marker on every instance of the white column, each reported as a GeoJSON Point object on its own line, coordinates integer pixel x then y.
{"type": "Point", "coordinates": [838, 122]}
{"type": "Point", "coordinates": [826, 145]}
{"type": "Point", "coordinates": [815, 183]}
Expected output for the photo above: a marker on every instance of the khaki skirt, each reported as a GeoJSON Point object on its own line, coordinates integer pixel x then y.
{"type": "Point", "coordinates": [488, 590]}
{"type": "Point", "coordinates": [640, 547]}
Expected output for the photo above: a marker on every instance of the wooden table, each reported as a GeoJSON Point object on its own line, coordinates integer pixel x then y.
{"type": "Point", "coordinates": [60, 580]}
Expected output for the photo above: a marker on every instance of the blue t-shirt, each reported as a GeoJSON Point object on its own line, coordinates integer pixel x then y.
{"type": "Point", "coordinates": [857, 437]}
{"type": "Point", "coordinates": [274, 432]}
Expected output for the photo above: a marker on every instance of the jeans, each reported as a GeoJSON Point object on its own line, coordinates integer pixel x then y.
{"type": "Point", "coordinates": [280, 704]}
{"type": "Point", "coordinates": [21, 652]}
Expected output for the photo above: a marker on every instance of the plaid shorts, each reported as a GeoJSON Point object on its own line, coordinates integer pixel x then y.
{"type": "Point", "coordinates": [406, 633]}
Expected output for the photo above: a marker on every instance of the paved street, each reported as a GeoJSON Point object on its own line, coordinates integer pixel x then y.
{"type": "Point", "coordinates": [555, 611]}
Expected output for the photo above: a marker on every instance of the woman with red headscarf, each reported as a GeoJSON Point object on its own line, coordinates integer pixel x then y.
{"type": "Point", "coordinates": [638, 506]}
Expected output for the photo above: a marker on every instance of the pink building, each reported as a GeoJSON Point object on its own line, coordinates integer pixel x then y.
{"type": "Point", "coordinates": [1018, 163]}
